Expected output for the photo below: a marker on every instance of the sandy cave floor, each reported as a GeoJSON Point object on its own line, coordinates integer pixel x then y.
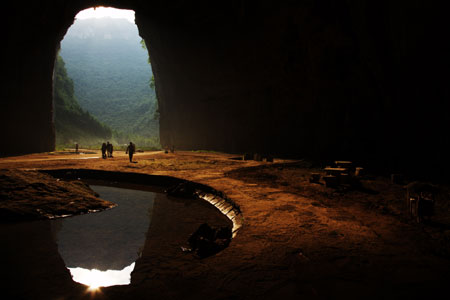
{"type": "Point", "coordinates": [299, 240]}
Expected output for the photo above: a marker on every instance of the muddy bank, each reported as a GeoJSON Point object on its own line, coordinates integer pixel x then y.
{"type": "Point", "coordinates": [173, 186]}
{"type": "Point", "coordinates": [32, 195]}
{"type": "Point", "coordinates": [298, 240]}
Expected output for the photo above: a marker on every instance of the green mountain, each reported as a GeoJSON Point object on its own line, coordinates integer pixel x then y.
{"type": "Point", "coordinates": [111, 74]}
{"type": "Point", "coordinates": [72, 123]}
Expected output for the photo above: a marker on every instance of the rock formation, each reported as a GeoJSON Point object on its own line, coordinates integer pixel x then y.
{"type": "Point", "coordinates": [363, 80]}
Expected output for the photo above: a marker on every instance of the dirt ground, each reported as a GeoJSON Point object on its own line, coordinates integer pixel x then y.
{"type": "Point", "coordinates": [299, 240]}
{"type": "Point", "coordinates": [32, 195]}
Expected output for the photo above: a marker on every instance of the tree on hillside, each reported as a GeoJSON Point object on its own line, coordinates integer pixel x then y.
{"type": "Point", "coordinates": [107, 63]}
{"type": "Point", "coordinates": [72, 123]}
{"type": "Point", "coordinates": [152, 82]}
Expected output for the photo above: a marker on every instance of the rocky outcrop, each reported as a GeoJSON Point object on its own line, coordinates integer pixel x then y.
{"type": "Point", "coordinates": [362, 80]}
{"type": "Point", "coordinates": [31, 195]}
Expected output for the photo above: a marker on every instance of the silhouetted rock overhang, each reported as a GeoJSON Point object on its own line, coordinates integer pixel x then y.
{"type": "Point", "coordinates": [358, 80]}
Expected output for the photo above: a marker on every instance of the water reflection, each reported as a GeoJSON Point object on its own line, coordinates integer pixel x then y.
{"type": "Point", "coordinates": [100, 249]}
{"type": "Point", "coordinates": [96, 278]}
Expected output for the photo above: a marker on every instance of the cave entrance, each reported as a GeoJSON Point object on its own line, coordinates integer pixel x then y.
{"type": "Point", "coordinates": [103, 87]}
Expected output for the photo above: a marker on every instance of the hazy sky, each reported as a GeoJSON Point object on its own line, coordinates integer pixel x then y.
{"type": "Point", "coordinates": [101, 11]}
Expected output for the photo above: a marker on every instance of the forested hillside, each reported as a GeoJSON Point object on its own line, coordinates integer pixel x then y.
{"type": "Point", "coordinates": [111, 74]}
{"type": "Point", "coordinates": [72, 123]}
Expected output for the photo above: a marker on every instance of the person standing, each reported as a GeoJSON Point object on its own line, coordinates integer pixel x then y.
{"type": "Point", "coordinates": [130, 150]}
{"type": "Point", "coordinates": [108, 149]}
{"type": "Point", "coordinates": [104, 150]}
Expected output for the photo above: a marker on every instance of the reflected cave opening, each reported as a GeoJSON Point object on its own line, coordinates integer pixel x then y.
{"type": "Point", "coordinates": [101, 249]}
{"type": "Point", "coordinates": [104, 248]}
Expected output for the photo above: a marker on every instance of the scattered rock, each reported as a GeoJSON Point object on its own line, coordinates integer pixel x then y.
{"type": "Point", "coordinates": [257, 157]}
{"type": "Point", "coordinates": [247, 156]}
{"type": "Point", "coordinates": [183, 190]}
{"type": "Point", "coordinates": [206, 241]}
{"type": "Point", "coordinates": [314, 178]}
{"type": "Point", "coordinates": [397, 179]}
{"type": "Point", "coordinates": [359, 171]}
{"type": "Point", "coordinates": [331, 181]}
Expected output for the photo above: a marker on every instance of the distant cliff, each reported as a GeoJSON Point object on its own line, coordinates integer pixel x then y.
{"type": "Point", "coordinates": [110, 70]}
{"type": "Point", "coordinates": [72, 123]}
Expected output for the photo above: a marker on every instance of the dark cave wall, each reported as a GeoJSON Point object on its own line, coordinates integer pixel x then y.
{"type": "Point", "coordinates": [360, 80]}
{"type": "Point", "coordinates": [33, 32]}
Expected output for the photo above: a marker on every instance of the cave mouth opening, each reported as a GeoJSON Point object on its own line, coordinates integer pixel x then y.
{"type": "Point", "coordinates": [103, 84]}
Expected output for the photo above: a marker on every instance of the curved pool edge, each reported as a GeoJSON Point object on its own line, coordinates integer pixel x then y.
{"type": "Point", "coordinates": [226, 207]}
{"type": "Point", "coordinates": [207, 193]}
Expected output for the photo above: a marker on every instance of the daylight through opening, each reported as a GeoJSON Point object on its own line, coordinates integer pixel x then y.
{"type": "Point", "coordinates": [103, 84]}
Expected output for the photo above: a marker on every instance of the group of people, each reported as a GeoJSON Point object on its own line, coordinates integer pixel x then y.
{"type": "Point", "coordinates": [107, 150]}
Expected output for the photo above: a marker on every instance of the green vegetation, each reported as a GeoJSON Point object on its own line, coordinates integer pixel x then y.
{"type": "Point", "coordinates": [205, 151]}
{"type": "Point", "coordinates": [152, 79]}
{"type": "Point", "coordinates": [72, 123]}
{"type": "Point", "coordinates": [112, 78]}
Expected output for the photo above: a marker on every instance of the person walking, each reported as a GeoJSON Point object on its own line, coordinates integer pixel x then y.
{"type": "Point", "coordinates": [130, 151]}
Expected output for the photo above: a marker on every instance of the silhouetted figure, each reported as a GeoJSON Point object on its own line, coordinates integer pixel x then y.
{"type": "Point", "coordinates": [104, 150]}
{"type": "Point", "coordinates": [109, 149]}
{"type": "Point", "coordinates": [130, 150]}
{"type": "Point", "coordinates": [76, 148]}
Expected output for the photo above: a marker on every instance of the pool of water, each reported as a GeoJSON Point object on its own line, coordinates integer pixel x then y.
{"type": "Point", "coordinates": [137, 240]}
{"type": "Point", "coordinates": [101, 249]}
